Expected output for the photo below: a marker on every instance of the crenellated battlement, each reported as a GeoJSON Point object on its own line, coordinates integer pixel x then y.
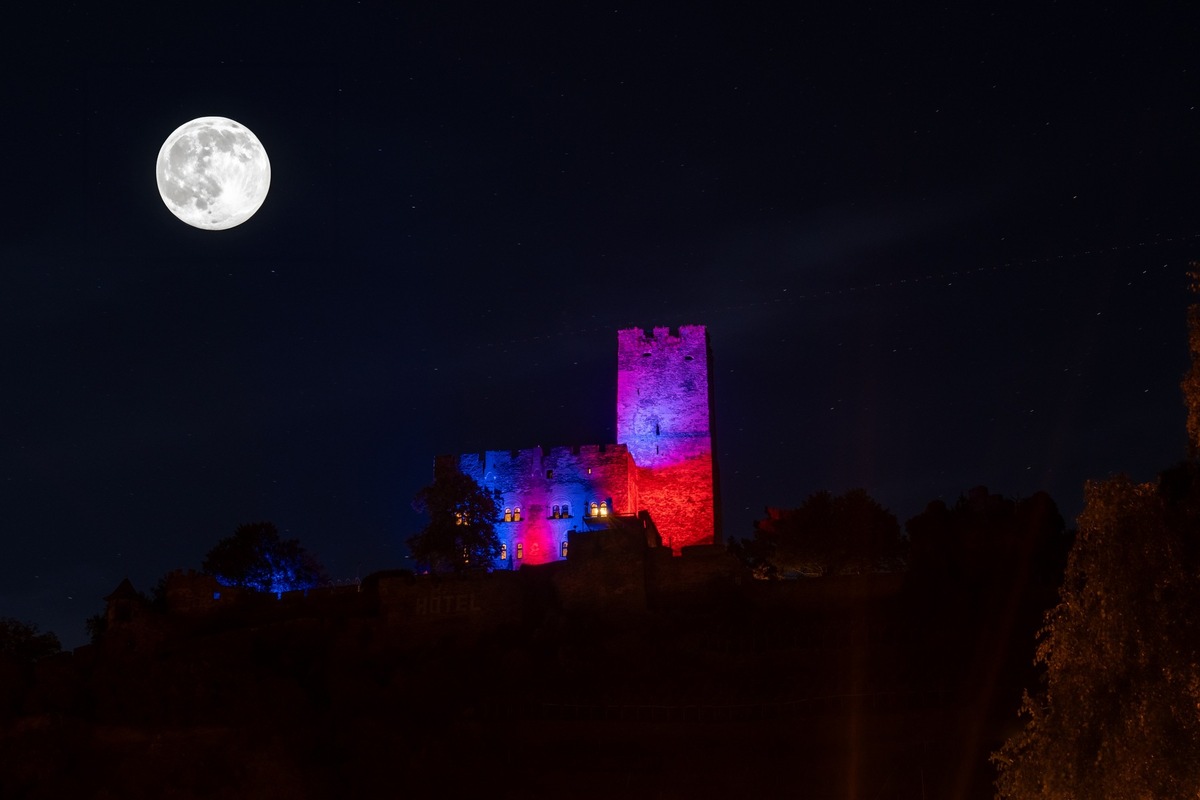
{"type": "Point", "coordinates": [641, 349]}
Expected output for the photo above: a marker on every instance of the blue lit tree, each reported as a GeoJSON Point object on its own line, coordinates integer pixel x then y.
{"type": "Point", "coordinates": [255, 557]}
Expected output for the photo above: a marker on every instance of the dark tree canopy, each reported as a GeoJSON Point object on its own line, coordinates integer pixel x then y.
{"type": "Point", "coordinates": [1117, 715]}
{"type": "Point", "coordinates": [827, 535]}
{"type": "Point", "coordinates": [987, 535]}
{"type": "Point", "coordinates": [461, 533]}
{"type": "Point", "coordinates": [255, 557]}
{"type": "Point", "coordinates": [1191, 380]}
{"type": "Point", "coordinates": [22, 641]}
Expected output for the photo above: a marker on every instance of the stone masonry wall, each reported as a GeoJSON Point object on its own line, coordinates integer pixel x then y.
{"type": "Point", "coordinates": [663, 417]}
{"type": "Point", "coordinates": [535, 480]}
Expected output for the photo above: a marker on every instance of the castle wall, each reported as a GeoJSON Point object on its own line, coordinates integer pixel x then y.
{"type": "Point", "coordinates": [537, 480]}
{"type": "Point", "coordinates": [704, 574]}
{"type": "Point", "coordinates": [663, 418]}
{"type": "Point", "coordinates": [606, 571]}
{"type": "Point", "coordinates": [427, 604]}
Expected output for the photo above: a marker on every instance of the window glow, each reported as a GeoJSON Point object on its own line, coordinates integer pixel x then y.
{"type": "Point", "coordinates": [563, 549]}
{"type": "Point", "coordinates": [604, 509]}
{"type": "Point", "coordinates": [508, 515]}
{"type": "Point", "coordinates": [503, 551]}
{"type": "Point", "coordinates": [516, 514]}
{"type": "Point", "coordinates": [520, 550]}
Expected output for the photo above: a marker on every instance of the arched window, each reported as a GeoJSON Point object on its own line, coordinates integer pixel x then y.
{"type": "Point", "coordinates": [517, 514]}
{"type": "Point", "coordinates": [564, 548]}
{"type": "Point", "coordinates": [508, 515]}
{"type": "Point", "coordinates": [554, 512]}
{"type": "Point", "coordinates": [459, 518]}
{"type": "Point", "coordinates": [604, 509]}
{"type": "Point", "coordinates": [520, 550]}
{"type": "Point", "coordinates": [566, 510]}
{"type": "Point", "coordinates": [503, 551]}
{"type": "Point", "coordinates": [595, 509]}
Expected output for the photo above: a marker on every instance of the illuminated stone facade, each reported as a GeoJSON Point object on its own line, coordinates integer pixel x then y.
{"type": "Point", "coordinates": [661, 464]}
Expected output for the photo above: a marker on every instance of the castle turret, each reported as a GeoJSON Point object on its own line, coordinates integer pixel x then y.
{"type": "Point", "coordinates": [663, 418]}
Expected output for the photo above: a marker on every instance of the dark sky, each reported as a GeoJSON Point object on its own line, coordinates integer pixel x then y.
{"type": "Point", "coordinates": [934, 250]}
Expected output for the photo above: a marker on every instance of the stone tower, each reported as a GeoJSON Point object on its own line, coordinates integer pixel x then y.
{"type": "Point", "coordinates": [663, 418]}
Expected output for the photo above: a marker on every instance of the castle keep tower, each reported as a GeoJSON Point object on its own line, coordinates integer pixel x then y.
{"type": "Point", "coordinates": [663, 418]}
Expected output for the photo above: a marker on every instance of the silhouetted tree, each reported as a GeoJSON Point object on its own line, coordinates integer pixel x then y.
{"type": "Point", "coordinates": [828, 535]}
{"type": "Point", "coordinates": [986, 536]}
{"type": "Point", "coordinates": [96, 626]}
{"type": "Point", "coordinates": [461, 533]}
{"type": "Point", "coordinates": [1191, 380]}
{"type": "Point", "coordinates": [22, 642]}
{"type": "Point", "coordinates": [757, 554]}
{"type": "Point", "coordinates": [1117, 715]}
{"type": "Point", "coordinates": [255, 557]}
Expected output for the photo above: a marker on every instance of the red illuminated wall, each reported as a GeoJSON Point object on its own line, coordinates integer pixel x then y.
{"type": "Point", "coordinates": [663, 418]}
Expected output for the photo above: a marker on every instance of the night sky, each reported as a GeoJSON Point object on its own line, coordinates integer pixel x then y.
{"type": "Point", "coordinates": [933, 250]}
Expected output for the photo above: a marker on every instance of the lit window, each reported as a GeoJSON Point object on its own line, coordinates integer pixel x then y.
{"type": "Point", "coordinates": [458, 518]}
{"type": "Point", "coordinates": [520, 550]}
{"type": "Point", "coordinates": [595, 510]}
{"type": "Point", "coordinates": [589, 470]}
{"type": "Point", "coordinates": [604, 509]}
{"type": "Point", "coordinates": [508, 515]}
{"type": "Point", "coordinates": [503, 551]}
{"type": "Point", "coordinates": [564, 548]}
{"type": "Point", "coordinates": [566, 510]}
{"type": "Point", "coordinates": [517, 514]}
{"type": "Point", "coordinates": [554, 512]}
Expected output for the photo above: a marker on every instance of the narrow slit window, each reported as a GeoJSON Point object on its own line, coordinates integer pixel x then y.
{"type": "Point", "coordinates": [564, 548]}
{"type": "Point", "coordinates": [520, 550]}
{"type": "Point", "coordinates": [503, 551]}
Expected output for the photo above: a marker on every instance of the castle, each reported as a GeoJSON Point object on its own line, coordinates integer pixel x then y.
{"type": "Point", "coordinates": [658, 476]}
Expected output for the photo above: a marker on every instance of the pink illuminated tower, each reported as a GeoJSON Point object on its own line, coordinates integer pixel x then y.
{"type": "Point", "coordinates": [663, 418]}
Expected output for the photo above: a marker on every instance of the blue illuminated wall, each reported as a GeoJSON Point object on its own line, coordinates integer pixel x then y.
{"type": "Point", "coordinates": [554, 490]}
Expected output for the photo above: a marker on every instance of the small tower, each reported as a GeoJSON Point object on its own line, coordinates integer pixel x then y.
{"type": "Point", "coordinates": [663, 417]}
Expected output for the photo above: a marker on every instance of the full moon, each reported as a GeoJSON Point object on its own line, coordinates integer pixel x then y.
{"type": "Point", "coordinates": [213, 173]}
